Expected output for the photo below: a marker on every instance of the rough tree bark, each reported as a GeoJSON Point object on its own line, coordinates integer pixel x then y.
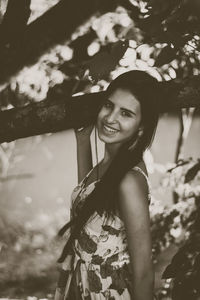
{"type": "Point", "coordinates": [69, 112]}
{"type": "Point", "coordinates": [47, 116]}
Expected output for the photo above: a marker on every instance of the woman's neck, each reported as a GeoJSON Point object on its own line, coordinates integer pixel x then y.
{"type": "Point", "coordinates": [110, 152]}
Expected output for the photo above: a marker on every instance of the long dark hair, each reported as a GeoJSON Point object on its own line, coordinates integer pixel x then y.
{"type": "Point", "coordinates": [104, 197]}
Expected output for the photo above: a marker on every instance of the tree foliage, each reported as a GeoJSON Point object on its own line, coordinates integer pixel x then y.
{"type": "Point", "coordinates": [184, 268]}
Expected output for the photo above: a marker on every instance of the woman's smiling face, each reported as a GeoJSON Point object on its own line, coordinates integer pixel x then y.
{"type": "Point", "coordinates": [119, 118]}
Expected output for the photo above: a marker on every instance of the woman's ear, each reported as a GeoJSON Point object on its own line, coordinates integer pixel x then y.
{"type": "Point", "coordinates": [137, 137]}
{"type": "Point", "coordinates": [140, 131]}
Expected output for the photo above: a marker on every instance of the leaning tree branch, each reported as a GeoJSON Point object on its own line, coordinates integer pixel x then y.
{"type": "Point", "coordinates": [52, 28]}
{"type": "Point", "coordinates": [69, 112]}
{"type": "Point", "coordinates": [14, 22]}
{"type": "Point", "coordinates": [47, 116]}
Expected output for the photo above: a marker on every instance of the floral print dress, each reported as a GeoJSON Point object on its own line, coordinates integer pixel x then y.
{"type": "Point", "coordinates": [99, 266]}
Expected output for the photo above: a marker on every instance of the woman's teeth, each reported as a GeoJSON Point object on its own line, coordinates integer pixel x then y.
{"type": "Point", "coordinates": [110, 129]}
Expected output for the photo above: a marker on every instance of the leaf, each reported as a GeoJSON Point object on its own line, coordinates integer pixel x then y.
{"type": "Point", "coordinates": [95, 284]}
{"type": "Point", "coordinates": [196, 265]}
{"type": "Point", "coordinates": [97, 260]}
{"type": "Point", "coordinates": [169, 272]}
{"type": "Point", "coordinates": [86, 243]}
{"type": "Point", "coordinates": [179, 262]}
{"type": "Point", "coordinates": [166, 55]}
{"type": "Point", "coordinates": [153, 28]}
{"type": "Point", "coordinates": [179, 257]}
{"type": "Point", "coordinates": [118, 284]}
{"type": "Point", "coordinates": [192, 172]}
{"type": "Point", "coordinates": [158, 6]}
{"type": "Point", "coordinates": [104, 62]}
{"type": "Point", "coordinates": [111, 230]}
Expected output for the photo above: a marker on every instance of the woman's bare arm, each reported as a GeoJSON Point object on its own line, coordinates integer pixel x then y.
{"type": "Point", "coordinates": [133, 197]}
{"type": "Point", "coordinates": [84, 153]}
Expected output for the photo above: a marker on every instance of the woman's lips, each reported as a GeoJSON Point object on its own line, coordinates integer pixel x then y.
{"type": "Point", "coordinates": [109, 129]}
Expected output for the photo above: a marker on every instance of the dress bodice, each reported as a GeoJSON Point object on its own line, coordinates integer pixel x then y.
{"type": "Point", "coordinates": [102, 236]}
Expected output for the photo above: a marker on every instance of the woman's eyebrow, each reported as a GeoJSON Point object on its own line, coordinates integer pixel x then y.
{"type": "Point", "coordinates": [128, 110]}
{"type": "Point", "coordinates": [123, 108]}
{"type": "Point", "coordinates": [109, 100]}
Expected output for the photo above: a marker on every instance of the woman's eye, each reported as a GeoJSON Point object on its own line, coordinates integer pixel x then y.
{"type": "Point", "coordinates": [107, 104]}
{"type": "Point", "coordinates": [125, 113]}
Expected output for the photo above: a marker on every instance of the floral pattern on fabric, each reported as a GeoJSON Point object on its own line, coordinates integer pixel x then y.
{"type": "Point", "coordinates": [86, 243]}
{"type": "Point", "coordinates": [100, 266]}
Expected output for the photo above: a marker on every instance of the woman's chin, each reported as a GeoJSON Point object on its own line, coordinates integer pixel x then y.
{"type": "Point", "coordinates": [108, 139]}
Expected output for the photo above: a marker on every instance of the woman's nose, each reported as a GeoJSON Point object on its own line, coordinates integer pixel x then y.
{"type": "Point", "coordinates": [111, 117]}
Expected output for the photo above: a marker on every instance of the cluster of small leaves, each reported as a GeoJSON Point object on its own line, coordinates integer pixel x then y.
{"type": "Point", "coordinates": [184, 178]}
{"type": "Point", "coordinates": [106, 45]}
{"type": "Point", "coordinates": [172, 22]}
{"type": "Point", "coordinates": [169, 225]}
{"type": "Point", "coordinates": [171, 29]}
{"type": "Point", "coordinates": [184, 268]}
{"type": "Point", "coordinates": [94, 49]}
{"type": "Point", "coordinates": [141, 34]}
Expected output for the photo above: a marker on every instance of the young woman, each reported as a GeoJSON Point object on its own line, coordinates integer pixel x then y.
{"type": "Point", "coordinates": [108, 252]}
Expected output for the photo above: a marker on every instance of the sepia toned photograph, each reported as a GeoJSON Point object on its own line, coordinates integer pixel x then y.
{"type": "Point", "coordinates": [99, 150]}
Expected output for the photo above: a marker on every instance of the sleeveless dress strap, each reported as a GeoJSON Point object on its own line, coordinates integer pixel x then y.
{"type": "Point", "coordinates": [82, 182]}
{"type": "Point", "coordinates": [141, 171]}
{"type": "Point", "coordinates": [136, 168]}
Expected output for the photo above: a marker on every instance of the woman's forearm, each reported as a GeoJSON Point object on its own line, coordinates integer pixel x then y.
{"type": "Point", "coordinates": [84, 157]}
{"type": "Point", "coordinates": [143, 285]}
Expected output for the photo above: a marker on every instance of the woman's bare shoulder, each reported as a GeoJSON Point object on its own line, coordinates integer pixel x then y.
{"type": "Point", "coordinates": [135, 182]}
